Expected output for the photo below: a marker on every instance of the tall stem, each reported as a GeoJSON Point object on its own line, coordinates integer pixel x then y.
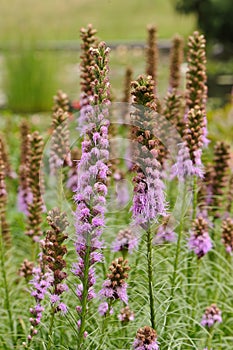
{"type": "Point", "coordinates": [104, 326]}
{"type": "Point", "coordinates": [51, 328]}
{"type": "Point", "coordinates": [195, 293]}
{"type": "Point", "coordinates": [150, 277]}
{"type": "Point", "coordinates": [176, 261]}
{"type": "Point", "coordinates": [194, 215]}
{"type": "Point", "coordinates": [84, 295]}
{"type": "Point", "coordinates": [6, 287]}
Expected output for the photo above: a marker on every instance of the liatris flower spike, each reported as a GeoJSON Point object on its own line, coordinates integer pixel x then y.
{"type": "Point", "coordinates": [126, 241]}
{"type": "Point", "coordinates": [227, 234]}
{"type": "Point", "coordinates": [126, 315]}
{"type": "Point", "coordinates": [211, 316]}
{"type": "Point", "coordinates": [53, 251]}
{"type": "Point", "coordinates": [176, 58]}
{"type": "Point", "coordinates": [91, 189]}
{"type": "Point", "coordinates": [24, 192]}
{"type": "Point", "coordinates": [4, 227]}
{"type": "Point", "coordinates": [196, 88]}
{"type": "Point", "coordinates": [60, 147]}
{"type": "Point", "coordinates": [149, 198]}
{"type": "Point", "coordinates": [36, 207]}
{"type": "Point", "coordinates": [146, 339]}
{"type": "Point", "coordinates": [115, 287]}
{"type": "Point", "coordinates": [200, 242]}
{"type": "Point", "coordinates": [165, 232]}
{"type": "Point", "coordinates": [152, 53]}
{"type": "Point", "coordinates": [189, 157]}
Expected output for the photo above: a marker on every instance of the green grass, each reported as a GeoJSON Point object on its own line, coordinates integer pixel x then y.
{"type": "Point", "coordinates": [115, 19]}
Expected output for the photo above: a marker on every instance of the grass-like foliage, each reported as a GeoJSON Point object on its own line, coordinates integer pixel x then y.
{"type": "Point", "coordinates": [118, 233]}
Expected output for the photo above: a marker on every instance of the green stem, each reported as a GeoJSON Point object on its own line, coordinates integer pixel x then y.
{"type": "Point", "coordinates": [6, 288]}
{"type": "Point", "coordinates": [195, 293]}
{"type": "Point", "coordinates": [104, 326]}
{"type": "Point", "coordinates": [51, 328]}
{"type": "Point", "coordinates": [84, 295]}
{"type": "Point", "coordinates": [209, 339]}
{"type": "Point", "coordinates": [176, 261]}
{"type": "Point", "coordinates": [194, 215]}
{"type": "Point", "coordinates": [150, 277]}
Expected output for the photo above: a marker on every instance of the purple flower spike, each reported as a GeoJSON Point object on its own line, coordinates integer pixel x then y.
{"type": "Point", "coordinates": [146, 339]}
{"type": "Point", "coordinates": [115, 286]}
{"type": "Point", "coordinates": [211, 316]}
{"type": "Point", "coordinates": [165, 233]}
{"type": "Point", "coordinates": [126, 240]}
{"type": "Point", "coordinates": [200, 242]}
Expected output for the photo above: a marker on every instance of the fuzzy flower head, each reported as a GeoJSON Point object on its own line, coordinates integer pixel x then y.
{"type": "Point", "coordinates": [211, 316]}
{"type": "Point", "coordinates": [149, 198]}
{"type": "Point", "coordinates": [227, 234]}
{"type": "Point", "coordinates": [115, 287]}
{"type": "Point", "coordinates": [165, 232]}
{"type": "Point", "coordinates": [146, 339]}
{"type": "Point", "coordinates": [189, 156]}
{"type": "Point", "coordinates": [126, 240]}
{"type": "Point", "coordinates": [200, 242]}
{"type": "Point", "coordinates": [104, 309]}
{"type": "Point", "coordinates": [126, 315]}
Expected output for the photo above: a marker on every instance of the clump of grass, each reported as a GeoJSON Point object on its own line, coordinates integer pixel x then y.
{"type": "Point", "coordinates": [30, 80]}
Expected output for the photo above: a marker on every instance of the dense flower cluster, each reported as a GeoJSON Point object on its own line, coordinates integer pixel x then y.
{"type": "Point", "coordinates": [53, 251]}
{"type": "Point", "coordinates": [61, 101]}
{"type": "Point", "coordinates": [196, 88]}
{"type": "Point", "coordinates": [3, 202]}
{"type": "Point", "coordinates": [227, 234]}
{"type": "Point", "coordinates": [26, 269]}
{"type": "Point", "coordinates": [126, 240]}
{"type": "Point", "coordinates": [152, 53]}
{"type": "Point", "coordinates": [24, 192]}
{"type": "Point", "coordinates": [149, 198]}
{"type": "Point", "coordinates": [40, 282]}
{"type": "Point", "coordinates": [176, 58]}
{"type": "Point", "coordinates": [211, 316]}
{"type": "Point", "coordinates": [220, 175]}
{"type": "Point", "coordinates": [146, 339]}
{"type": "Point", "coordinates": [200, 242]}
{"type": "Point", "coordinates": [126, 315]}
{"type": "Point", "coordinates": [91, 189]}
{"type": "Point", "coordinates": [35, 207]}
{"type": "Point", "coordinates": [189, 157]}
{"type": "Point", "coordinates": [165, 232]}
{"type": "Point", "coordinates": [60, 147]}
{"type": "Point", "coordinates": [115, 286]}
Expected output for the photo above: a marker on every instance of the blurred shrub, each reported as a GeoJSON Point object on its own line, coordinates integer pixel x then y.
{"type": "Point", "coordinates": [214, 17]}
{"type": "Point", "coordinates": [30, 80]}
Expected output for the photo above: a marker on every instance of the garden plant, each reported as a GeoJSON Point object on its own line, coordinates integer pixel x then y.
{"type": "Point", "coordinates": [117, 223]}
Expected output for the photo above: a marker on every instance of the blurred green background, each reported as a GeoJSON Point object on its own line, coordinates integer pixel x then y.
{"type": "Point", "coordinates": [39, 43]}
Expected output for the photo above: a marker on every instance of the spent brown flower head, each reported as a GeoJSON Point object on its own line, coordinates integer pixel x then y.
{"type": "Point", "coordinates": [87, 76]}
{"type": "Point", "coordinates": [3, 203]}
{"type": "Point", "coordinates": [118, 272]}
{"type": "Point", "coordinates": [176, 58]}
{"type": "Point", "coordinates": [53, 247]}
{"type": "Point", "coordinates": [60, 143]}
{"type": "Point", "coordinates": [26, 269]}
{"type": "Point", "coordinates": [35, 208]}
{"type": "Point", "coordinates": [227, 234]}
{"type": "Point", "coordinates": [152, 52]}
{"type": "Point", "coordinates": [61, 101]}
{"type": "Point", "coordinates": [196, 89]}
{"type": "Point", "coordinates": [146, 338]}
